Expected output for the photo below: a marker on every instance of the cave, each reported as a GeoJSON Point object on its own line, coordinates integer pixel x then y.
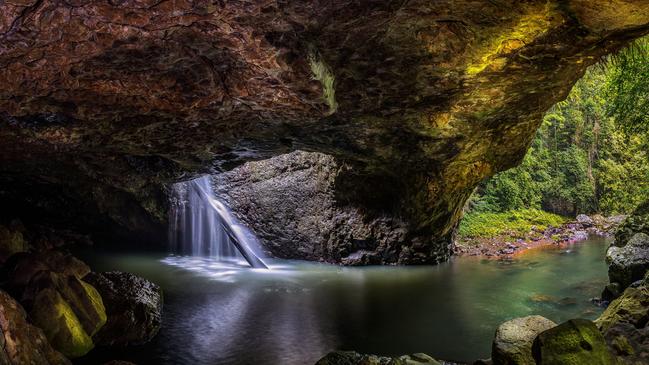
{"type": "Point", "coordinates": [345, 133]}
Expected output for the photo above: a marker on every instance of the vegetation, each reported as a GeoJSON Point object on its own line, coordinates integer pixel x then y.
{"type": "Point", "coordinates": [589, 155]}
{"type": "Point", "coordinates": [514, 223]}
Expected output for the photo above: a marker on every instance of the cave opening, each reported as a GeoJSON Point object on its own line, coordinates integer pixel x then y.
{"type": "Point", "coordinates": [334, 182]}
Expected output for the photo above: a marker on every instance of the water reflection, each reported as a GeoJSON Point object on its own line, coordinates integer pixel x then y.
{"type": "Point", "coordinates": [220, 313]}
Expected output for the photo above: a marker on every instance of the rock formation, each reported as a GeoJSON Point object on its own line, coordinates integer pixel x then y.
{"type": "Point", "coordinates": [105, 102]}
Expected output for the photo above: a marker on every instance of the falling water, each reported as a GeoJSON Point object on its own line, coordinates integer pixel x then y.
{"type": "Point", "coordinates": [201, 225]}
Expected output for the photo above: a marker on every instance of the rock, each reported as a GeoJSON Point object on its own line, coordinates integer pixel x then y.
{"type": "Point", "coordinates": [577, 236]}
{"type": "Point", "coordinates": [11, 242]}
{"type": "Point", "coordinates": [20, 342]}
{"type": "Point", "coordinates": [20, 270]}
{"type": "Point", "coordinates": [630, 262]}
{"type": "Point", "coordinates": [628, 343]}
{"type": "Point", "coordinates": [638, 222]}
{"type": "Point", "coordinates": [133, 305]}
{"type": "Point", "coordinates": [512, 343]}
{"type": "Point", "coordinates": [577, 341]}
{"type": "Point", "coordinates": [585, 220]}
{"type": "Point", "coordinates": [611, 291]}
{"type": "Point", "coordinates": [632, 307]}
{"type": "Point", "coordinates": [423, 99]}
{"type": "Point", "coordinates": [354, 358]}
{"type": "Point", "coordinates": [69, 310]}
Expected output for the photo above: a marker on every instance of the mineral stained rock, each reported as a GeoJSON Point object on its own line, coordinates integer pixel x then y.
{"type": "Point", "coordinates": [102, 103]}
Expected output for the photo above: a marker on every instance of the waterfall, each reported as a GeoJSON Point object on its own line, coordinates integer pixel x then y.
{"type": "Point", "coordinates": [201, 225]}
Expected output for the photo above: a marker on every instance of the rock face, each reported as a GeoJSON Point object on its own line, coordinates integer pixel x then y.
{"type": "Point", "coordinates": [69, 310]}
{"type": "Point", "coordinates": [513, 341]}
{"type": "Point", "coordinates": [629, 263]}
{"type": "Point", "coordinates": [577, 341]}
{"type": "Point", "coordinates": [133, 305]}
{"type": "Point", "coordinates": [20, 342]}
{"type": "Point", "coordinates": [105, 102]}
{"type": "Point", "coordinates": [293, 205]}
{"type": "Point", "coordinates": [354, 358]}
{"type": "Point", "coordinates": [11, 242]}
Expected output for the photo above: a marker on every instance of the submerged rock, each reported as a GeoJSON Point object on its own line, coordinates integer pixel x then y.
{"type": "Point", "coordinates": [354, 358]}
{"type": "Point", "coordinates": [577, 341]}
{"type": "Point", "coordinates": [512, 344]}
{"type": "Point", "coordinates": [133, 305]}
{"type": "Point", "coordinates": [20, 342]}
{"type": "Point", "coordinates": [630, 262]}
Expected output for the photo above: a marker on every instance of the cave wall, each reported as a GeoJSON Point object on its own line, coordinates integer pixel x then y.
{"type": "Point", "coordinates": [104, 103]}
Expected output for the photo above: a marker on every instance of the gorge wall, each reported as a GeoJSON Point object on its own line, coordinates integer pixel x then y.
{"type": "Point", "coordinates": [105, 103]}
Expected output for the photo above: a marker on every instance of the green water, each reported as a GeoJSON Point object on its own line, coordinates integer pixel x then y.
{"type": "Point", "coordinates": [297, 312]}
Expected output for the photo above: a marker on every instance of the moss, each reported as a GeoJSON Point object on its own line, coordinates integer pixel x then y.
{"type": "Point", "coordinates": [60, 324]}
{"type": "Point", "coordinates": [575, 342]}
{"type": "Point", "coordinates": [529, 26]}
{"type": "Point", "coordinates": [322, 73]}
{"type": "Point", "coordinates": [97, 304]}
{"type": "Point", "coordinates": [489, 224]}
{"type": "Point", "coordinates": [631, 308]}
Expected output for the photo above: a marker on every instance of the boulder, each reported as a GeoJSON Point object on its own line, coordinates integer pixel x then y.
{"type": "Point", "coordinates": [585, 220]}
{"type": "Point", "coordinates": [133, 305]}
{"type": "Point", "coordinates": [68, 309]}
{"type": "Point", "coordinates": [20, 342]}
{"type": "Point", "coordinates": [11, 242]}
{"type": "Point", "coordinates": [628, 343]}
{"type": "Point", "coordinates": [512, 344]}
{"type": "Point", "coordinates": [354, 358]}
{"type": "Point", "coordinates": [575, 342]}
{"type": "Point", "coordinates": [21, 268]}
{"type": "Point", "coordinates": [632, 307]}
{"type": "Point", "coordinates": [630, 262]}
{"type": "Point", "coordinates": [638, 222]}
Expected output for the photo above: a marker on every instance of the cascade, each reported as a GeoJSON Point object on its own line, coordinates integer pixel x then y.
{"type": "Point", "coordinates": [202, 225]}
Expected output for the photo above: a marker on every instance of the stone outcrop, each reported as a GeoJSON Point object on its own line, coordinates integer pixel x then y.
{"type": "Point", "coordinates": [577, 341]}
{"type": "Point", "coordinates": [11, 242]}
{"type": "Point", "coordinates": [105, 102]}
{"type": "Point", "coordinates": [629, 263]}
{"type": "Point", "coordinates": [133, 305]}
{"type": "Point", "coordinates": [354, 358]}
{"type": "Point", "coordinates": [50, 286]}
{"type": "Point", "coordinates": [512, 343]}
{"type": "Point", "coordinates": [20, 342]}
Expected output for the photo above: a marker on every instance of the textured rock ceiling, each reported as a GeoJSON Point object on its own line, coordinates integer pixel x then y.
{"type": "Point", "coordinates": [109, 99]}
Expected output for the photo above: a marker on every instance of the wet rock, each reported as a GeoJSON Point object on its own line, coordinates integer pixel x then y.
{"type": "Point", "coordinates": [133, 305]}
{"type": "Point", "coordinates": [632, 307]}
{"type": "Point", "coordinates": [585, 220]}
{"type": "Point", "coordinates": [630, 262]}
{"type": "Point", "coordinates": [512, 344]}
{"type": "Point", "coordinates": [69, 310]}
{"type": "Point", "coordinates": [611, 291]}
{"type": "Point", "coordinates": [20, 342]}
{"type": "Point", "coordinates": [354, 358]}
{"type": "Point", "coordinates": [577, 341]}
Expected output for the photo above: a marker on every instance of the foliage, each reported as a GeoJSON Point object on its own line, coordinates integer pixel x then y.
{"type": "Point", "coordinates": [628, 86]}
{"type": "Point", "coordinates": [583, 159]}
{"type": "Point", "coordinates": [492, 224]}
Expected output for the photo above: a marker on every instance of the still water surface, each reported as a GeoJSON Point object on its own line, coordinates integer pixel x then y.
{"type": "Point", "coordinates": [297, 311]}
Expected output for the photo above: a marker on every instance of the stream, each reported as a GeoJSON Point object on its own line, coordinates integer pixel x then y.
{"type": "Point", "coordinates": [296, 312]}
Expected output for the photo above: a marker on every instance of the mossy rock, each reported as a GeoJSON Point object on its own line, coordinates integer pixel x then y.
{"type": "Point", "coordinates": [575, 342]}
{"type": "Point", "coordinates": [60, 324]}
{"type": "Point", "coordinates": [638, 222]}
{"type": "Point", "coordinates": [69, 310]}
{"type": "Point", "coordinates": [632, 307]}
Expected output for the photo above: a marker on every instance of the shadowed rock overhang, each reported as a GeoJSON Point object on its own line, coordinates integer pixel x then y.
{"type": "Point", "coordinates": [104, 102]}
